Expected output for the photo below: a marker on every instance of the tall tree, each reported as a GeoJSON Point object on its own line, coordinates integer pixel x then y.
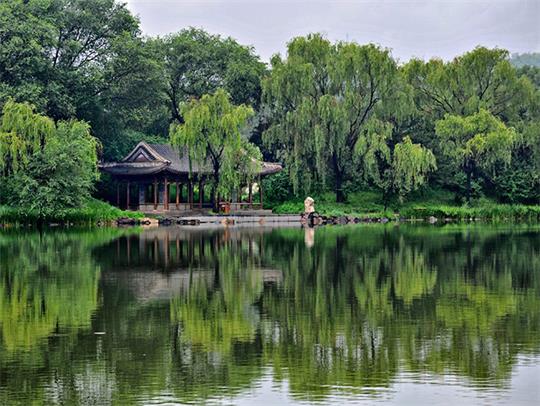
{"type": "Point", "coordinates": [71, 51]}
{"type": "Point", "coordinates": [476, 143]}
{"type": "Point", "coordinates": [212, 132]}
{"type": "Point", "coordinates": [82, 59]}
{"type": "Point", "coordinates": [198, 63]}
{"type": "Point", "coordinates": [48, 167]}
{"type": "Point", "coordinates": [479, 79]}
{"type": "Point", "coordinates": [320, 99]}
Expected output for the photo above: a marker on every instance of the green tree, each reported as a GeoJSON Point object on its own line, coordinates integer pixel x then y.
{"type": "Point", "coordinates": [83, 59]}
{"type": "Point", "coordinates": [395, 169]}
{"type": "Point", "coordinates": [23, 133]}
{"type": "Point", "coordinates": [532, 73]}
{"type": "Point", "coordinates": [62, 175]}
{"type": "Point", "coordinates": [197, 63]}
{"type": "Point", "coordinates": [48, 167]}
{"type": "Point", "coordinates": [61, 54]}
{"type": "Point", "coordinates": [519, 182]}
{"type": "Point", "coordinates": [212, 132]}
{"type": "Point", "coordinates": [476, 143]}
{"type": "Point", "coordinates": [479, 79]}
{"type": "Point", "coordinates": [321, 99]}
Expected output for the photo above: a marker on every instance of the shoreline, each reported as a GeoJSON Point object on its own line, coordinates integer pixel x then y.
{"type": "Point", "coordinates": [101, 214]}
{"type": "Point", "coordinates": [279, 220]}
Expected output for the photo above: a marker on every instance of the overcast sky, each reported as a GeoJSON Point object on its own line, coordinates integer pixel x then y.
{"type": "Point", "coordinates": [421, 28]}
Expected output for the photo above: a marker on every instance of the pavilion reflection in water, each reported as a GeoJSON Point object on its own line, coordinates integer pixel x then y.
{"type": "Point", "coordinates": [162, 263]}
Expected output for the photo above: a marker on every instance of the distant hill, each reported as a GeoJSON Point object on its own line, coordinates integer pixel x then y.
{"type": "Point", "coordinates": [526, 59]}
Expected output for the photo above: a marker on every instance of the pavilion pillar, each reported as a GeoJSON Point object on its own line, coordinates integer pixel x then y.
{"type": "Point", "coordinates": [118, 194]}
{"type": "Point", "coordinates": [201, 193]}
{"type": "Point", "coordinates": [161, 194]}
{"type": "Point", "coordinates": [142, 195]}
{"type": "Point", "coordinates": [250, 194]}
{"type": "Point", "coordinates": [127, 196]}
{"type": "Point", "coordinates": [155, 194]}
{"type": "Point", "coordinates": [190, 192]}
{"type": "Point", "coordinates": [260, 192]}
{"type": "Point", "coordinates": [166, 194]}
{"type": "Point", "coordinates": [177, 195]}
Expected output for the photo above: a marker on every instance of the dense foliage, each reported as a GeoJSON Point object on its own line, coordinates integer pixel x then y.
{"type": "Point", "coordinates": [341, 117]}
{"type": "Point", "coordinates": [212, 129]}
{"type": "Point", "coordinates": [323, 99]}
{"type": "Point", "coordinates": [47, 167]}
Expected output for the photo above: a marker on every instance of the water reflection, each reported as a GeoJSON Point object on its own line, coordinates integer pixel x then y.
{"type": "Point", "coordinates": [192, 314]}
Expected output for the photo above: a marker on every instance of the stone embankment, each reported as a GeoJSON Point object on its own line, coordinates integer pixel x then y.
{"type": "Point", "coordinates": [212, 220]}
{"type": "Point", "coordinates": [312, 219]}
{"type": "Point", "coordinates": [318, 220]}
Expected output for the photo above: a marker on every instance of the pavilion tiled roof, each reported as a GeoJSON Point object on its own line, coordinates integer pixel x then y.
{"type": "Point", "coordinates": [150, 159]}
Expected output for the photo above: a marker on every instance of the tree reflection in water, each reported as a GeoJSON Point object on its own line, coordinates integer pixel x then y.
{"type": "Point", "coordinates": [195, 314]}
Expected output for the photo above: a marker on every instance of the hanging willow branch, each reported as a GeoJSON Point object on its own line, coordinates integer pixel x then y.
{"type": "Point", "coordinates": [22, 134]}
{"type": "Point", "coordinates": [212, 133]}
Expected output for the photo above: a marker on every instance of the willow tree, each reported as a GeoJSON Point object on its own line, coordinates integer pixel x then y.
{"type": "Point", "coordinates": [212, 133]}
{"type": "Point", "coordinates": [47, 167]}
{"type": "Point", "coordinates": [394, 168]}
{"type": "Point", "coordinates": [477, 143]}
{"type": "Point", "coordinates": [23, 133]}
{"type": "Point", "coordinates": [320, 99]}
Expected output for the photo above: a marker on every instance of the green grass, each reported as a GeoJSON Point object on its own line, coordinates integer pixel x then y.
{"type": "Point", "coordinates": [483, 212]}
{"type": "Point", "coordinates": [92, 212]}
{"type": "Point", "coordinates": [362, 204]}
{"type": "Point", "coordinates": [429, 203]}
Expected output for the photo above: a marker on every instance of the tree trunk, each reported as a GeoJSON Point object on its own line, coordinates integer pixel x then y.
{"type": "Point", "coordinates": [386, 199]}
{"type": "Point", "coordinates": [215, 203]}
{"type": "Point", "coordinates": [340, 196]}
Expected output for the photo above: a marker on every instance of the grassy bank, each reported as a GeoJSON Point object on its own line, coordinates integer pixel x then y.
{"type": "Point", "coordinates": [94, 211]}
{"type": "Point", "coordinates": [437, 204]}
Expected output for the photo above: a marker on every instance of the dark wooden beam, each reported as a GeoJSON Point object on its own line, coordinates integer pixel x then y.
{"type": "Point", "coordinates": [166, 194]}
{"type": "Point", "coordinates": [177, 195]}
{"type": "Point", "coordinates": [127, 195]}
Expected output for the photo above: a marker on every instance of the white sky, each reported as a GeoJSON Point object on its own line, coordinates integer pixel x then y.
{"type": "Point", "coordinates": [421, 28]}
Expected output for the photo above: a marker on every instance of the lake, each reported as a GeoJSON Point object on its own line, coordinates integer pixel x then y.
{"type": "Point", "coordinates": [364, 314]}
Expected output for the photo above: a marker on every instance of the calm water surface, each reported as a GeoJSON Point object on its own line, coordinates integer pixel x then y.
{"type": "Point", "coordinates": [353, 314]}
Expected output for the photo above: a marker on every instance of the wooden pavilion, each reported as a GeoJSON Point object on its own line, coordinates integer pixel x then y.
{"type": "Point", "coordinates": [152, 177]}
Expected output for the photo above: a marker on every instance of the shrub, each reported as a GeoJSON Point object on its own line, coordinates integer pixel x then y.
{"type": "Point", "coordinates": [91, 212]}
